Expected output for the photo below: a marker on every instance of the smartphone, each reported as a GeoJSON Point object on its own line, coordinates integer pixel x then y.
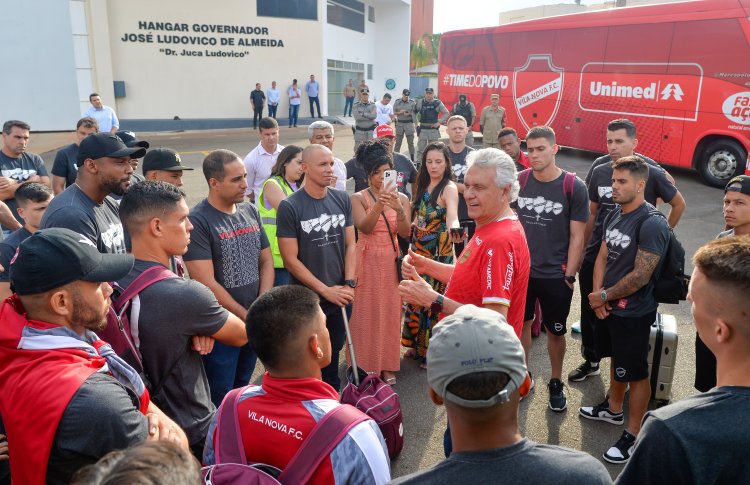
{"type": "Point", "coordinates": [389, 180]}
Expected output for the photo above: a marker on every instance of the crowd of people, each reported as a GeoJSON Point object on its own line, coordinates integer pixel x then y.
{"type": "Point", "coordinates": [447, 263]}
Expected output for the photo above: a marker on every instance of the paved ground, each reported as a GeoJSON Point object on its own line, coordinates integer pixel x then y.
{"type": "Point", "coordinates": [424, 423]}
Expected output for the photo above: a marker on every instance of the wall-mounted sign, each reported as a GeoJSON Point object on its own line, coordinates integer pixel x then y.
{"type": "Point", "coordinates": [390, 84]}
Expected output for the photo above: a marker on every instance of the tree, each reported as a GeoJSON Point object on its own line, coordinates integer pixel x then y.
{"type": "Point", "coordinates": [420, 55]}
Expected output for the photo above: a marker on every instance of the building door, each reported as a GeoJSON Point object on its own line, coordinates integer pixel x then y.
{"type": "Point", "coordinates": [339, 73]}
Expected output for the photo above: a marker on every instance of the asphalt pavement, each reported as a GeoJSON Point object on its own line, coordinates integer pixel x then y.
{"type": "Point", "coordinates": [424, 423]}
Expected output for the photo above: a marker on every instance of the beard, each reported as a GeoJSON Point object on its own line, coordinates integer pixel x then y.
{"type": "Point", "coordinates": [86, 316]}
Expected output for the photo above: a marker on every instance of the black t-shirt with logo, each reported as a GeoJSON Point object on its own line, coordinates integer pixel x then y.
{"type": "Point", "coordinates": [599, 181]}
{"type": "Point", "coordinates": [100, 223]}
{"type": "Point", "coordinates": [545, 212]}
{"type": "Point", "coordinates": [20, 169]}
{"type": "Point", "coordinates": [319, 226]}
{"type": "Point", "coordinates": [624, 234]}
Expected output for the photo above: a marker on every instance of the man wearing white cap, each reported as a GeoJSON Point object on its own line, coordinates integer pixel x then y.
{"type": "Point", "coordinates": [477, 369]}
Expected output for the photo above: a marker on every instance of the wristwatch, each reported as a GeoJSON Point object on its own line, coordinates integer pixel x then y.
{"type": "Point", "coordinates": [437, 305]}
{"type": "Point", "coordinates": [603, 295]}
{"type": "Point", "coordinates": [571, 279]}
{"type": "Point", "coordinates": [350, 283]}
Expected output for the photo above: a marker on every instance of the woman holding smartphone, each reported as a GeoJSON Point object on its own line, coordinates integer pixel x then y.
{"type": "Point", "coordinates": [286, 178]}
{"type": "Point", "coordinates": [435, 206]}
{"type": "Point", "coordinates": [380, 212]}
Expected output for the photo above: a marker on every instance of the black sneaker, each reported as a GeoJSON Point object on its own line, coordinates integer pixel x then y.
{"type": "Point", "coordinates": [619, 454]}
{"type": "Point", "coordinates": [557, 400]}
{"type": "Point", "coordinates": [601, 412]}
{"type": "Point", "coordinates": [583, 371]}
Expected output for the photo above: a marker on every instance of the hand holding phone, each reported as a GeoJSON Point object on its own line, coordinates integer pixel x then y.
{"type": "Point", "coordinates": [389, 180]}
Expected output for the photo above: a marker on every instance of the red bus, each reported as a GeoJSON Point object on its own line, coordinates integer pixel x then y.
{"type": "Point", "coordinates": [680, 71]}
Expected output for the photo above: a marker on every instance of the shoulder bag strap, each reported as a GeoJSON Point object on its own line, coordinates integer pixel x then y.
{"type": "Point", "coordinates": [388, 226]}
{"type": "Point", "coordinates": [568, 185]}
{"type": "Point", "coordinates": [323, 438]}
{"type": "Point", "coordinates": [228, 446]}
{"type": "Point", "coordinates": [143, 281]}
{"type": "Point", "coordinates": [523, 177]}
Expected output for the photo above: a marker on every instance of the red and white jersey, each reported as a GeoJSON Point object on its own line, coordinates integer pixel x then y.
{"type": "Point", "coordinates": [494, 268]}
{"type": "Point", "coordinates": [277, 416]}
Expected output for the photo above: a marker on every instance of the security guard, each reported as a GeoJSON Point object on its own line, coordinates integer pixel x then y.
{"type": "Point", "coordinates": [404, 108]}
{"type": "Point", "coordinates": [365, 113]}
{"type": "Point", "coordinates": [431, 112]}
{"type": "Point", "coordinates": [491, 122]}
{"type": "Point", "coordinates": [466, 108]}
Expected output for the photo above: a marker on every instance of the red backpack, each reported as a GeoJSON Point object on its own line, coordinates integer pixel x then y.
{"type": "Point", "coordinates": [231, 464]}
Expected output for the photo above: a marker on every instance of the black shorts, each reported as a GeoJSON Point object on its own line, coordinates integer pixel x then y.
{"type": "Point", "coordinates": [554, 299]}
{"type": "Point", "coordinates": [626, 340]}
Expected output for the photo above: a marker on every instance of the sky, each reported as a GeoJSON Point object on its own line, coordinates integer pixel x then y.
{"type": "Point", "coordinates": [468, 14]}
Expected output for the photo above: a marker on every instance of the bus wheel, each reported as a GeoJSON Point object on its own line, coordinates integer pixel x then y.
{"type": "Point", "coordinates": [722, 160]}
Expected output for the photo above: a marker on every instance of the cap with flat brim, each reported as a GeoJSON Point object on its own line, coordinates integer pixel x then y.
{"type": "Point", "coordinates": [100, 145]}
{"type": "Point", "coordinates": [740, 183]}
{"type": "Point", "coordinates": [51, 258]}
{"type": "Point", "coordinates": [163, 159]}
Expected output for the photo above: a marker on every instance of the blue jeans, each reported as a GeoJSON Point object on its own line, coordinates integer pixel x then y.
{"type": "Point", "coordinates": [272, 110]}
{"type": "Point", "coordinates": [348, 105]}
{"type": "Point", "coordinates": [293, 114]}
{"type": "Point", "coordinates": [337, 333]}
{"type": "Point", "coordinates": [228, 368]}
{"type": "Point", "coordinates": [281, 277]}
{"type": "Point", "coordinates": [316, 101]}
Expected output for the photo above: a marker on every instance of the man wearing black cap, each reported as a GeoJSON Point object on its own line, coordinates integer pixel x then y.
{"type": "Point", "coordinates": [130, 140]}
{"type": "Point", "coordinates": [477, 370]}
{"type": "Point", "coordinates": [431, 112]}
{"type": "Point", "coordinates": [103, 169]}
{"type": "Point", "coordinates": [405, 108]}
{"type": "Point", "coordinates": [737, 217]}
{"type": "Point", "coordinates": [164, 164]}
{"type": "Point", "coordinates": [67, 398]}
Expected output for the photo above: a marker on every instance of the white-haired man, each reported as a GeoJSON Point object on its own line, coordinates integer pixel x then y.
{"type": "Point", "coordinates": [321, 133]}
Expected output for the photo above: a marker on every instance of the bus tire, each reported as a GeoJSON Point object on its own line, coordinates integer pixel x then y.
{"type": "Point", "coordinates": [722, 160]}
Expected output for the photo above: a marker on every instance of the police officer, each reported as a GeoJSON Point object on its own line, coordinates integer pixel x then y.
{"type": "Point", "coordinates": [491, 122]}
{"type": "Point", "coordinates": [431, 112]}
{"type": "Point", "coordinates": [404, 109]}
{"type": "Point", "coordinates": [466, 108]}
{"type": "Point", "coordinates": [365, 113]}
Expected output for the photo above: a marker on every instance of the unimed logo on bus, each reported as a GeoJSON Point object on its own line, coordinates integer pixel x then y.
{"type": "Point", "coordinates": [651, 90]}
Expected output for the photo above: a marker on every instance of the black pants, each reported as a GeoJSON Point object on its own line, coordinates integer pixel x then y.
{"type": "Point", "coordinates": [588, 317]}
{"type": "Point", "coordinates": [257, 115]}
{"type": "Point", "coordinates": [337, 333]}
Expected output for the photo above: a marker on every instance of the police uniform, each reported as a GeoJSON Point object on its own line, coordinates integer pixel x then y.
{"type": "Point", "coordinates": [469, 113]}
{"type": "Point", "coordinates": [430, 113]}
{"type": "Point", "coordinates": [405, 122]}
{"type": "Point", "coordinates": [491, 123]}
{"type": "Point", "coordinates": [364, 120]}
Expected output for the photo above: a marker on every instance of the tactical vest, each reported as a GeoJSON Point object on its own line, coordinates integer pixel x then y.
{"type": "Point", "coordinates": [464, 111]}
{"type": "Point", "coordinates": [428, 112]}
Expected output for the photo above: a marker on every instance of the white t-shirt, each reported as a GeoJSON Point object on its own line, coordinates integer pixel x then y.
{"type": "Point", "coordinates": [385, 111]}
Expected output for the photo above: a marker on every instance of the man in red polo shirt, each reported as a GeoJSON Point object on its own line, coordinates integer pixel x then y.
{"type": "Point", "coordinates": [498, 251]}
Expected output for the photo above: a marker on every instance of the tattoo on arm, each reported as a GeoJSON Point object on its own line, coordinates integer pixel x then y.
{"type": "Point", "coordinates": [645, 264]}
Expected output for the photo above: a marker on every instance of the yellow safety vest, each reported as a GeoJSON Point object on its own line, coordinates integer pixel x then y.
{"type": "Point", "coordinates": [268, 218]}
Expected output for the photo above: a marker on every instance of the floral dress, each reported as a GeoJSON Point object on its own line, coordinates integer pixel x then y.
{"type": "Point", "coordinates": [431, 239]}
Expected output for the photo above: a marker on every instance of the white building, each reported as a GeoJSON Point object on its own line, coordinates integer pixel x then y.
{"type": "Point", "coordinates": [155, 60]}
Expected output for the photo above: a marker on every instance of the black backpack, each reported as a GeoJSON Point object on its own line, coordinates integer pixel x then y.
{"type": "Point", "coordinates": [671, 282]}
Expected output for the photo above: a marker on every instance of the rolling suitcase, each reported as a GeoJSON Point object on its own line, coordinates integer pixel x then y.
{"type": "Point", "coordinates": [662, 356]}
{"type": "Point", "coordinates": [374, 397]}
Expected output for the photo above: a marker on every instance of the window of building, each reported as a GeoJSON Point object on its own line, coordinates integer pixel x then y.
{"type": "Point", "coordinates": [369, 71]}
{"type": "Point", "coordinates": [288, 9]}
{"type": "Point", "coordinates": [371, 13]}
{"type": "Point", "coordinates": [349, 14]}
